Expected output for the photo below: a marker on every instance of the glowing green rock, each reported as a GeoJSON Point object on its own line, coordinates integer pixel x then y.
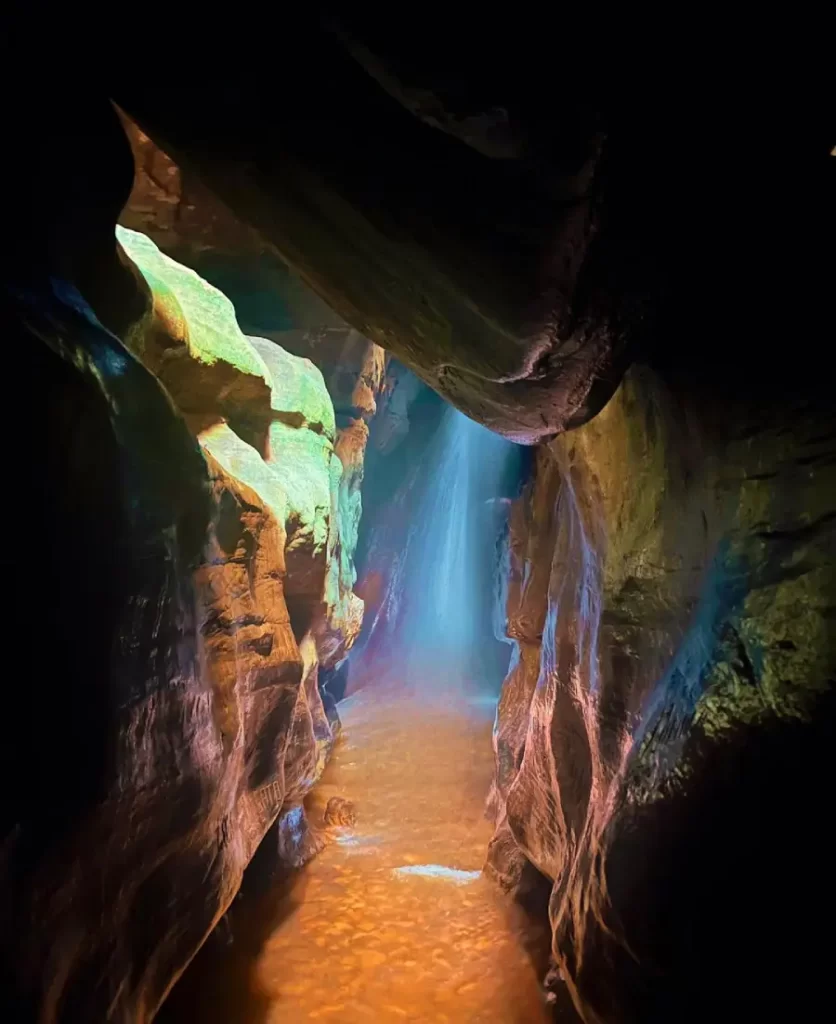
{"type": "Point", "coordinates": [213, 333]}
{"type": "Point", "coordinates": [267, 419]}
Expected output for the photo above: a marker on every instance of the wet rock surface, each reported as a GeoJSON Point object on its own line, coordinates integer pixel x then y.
{"type": "Point", "coordinates": [175, 702]}
{"type": "Point", "coordinates": [127, 806]}
{"type": "Point", "coordinates": [280, 577]}
{"type": "Point", "coordinates": [392, 921]}
{"type": "Point", "coordinates": [516, 228]}
{"type": "Point", "coordinates": [660, 739]}
{"type": "Point", "coordinates": [339, 812]}
{"type": "Point", "coordinates": [664, 746]}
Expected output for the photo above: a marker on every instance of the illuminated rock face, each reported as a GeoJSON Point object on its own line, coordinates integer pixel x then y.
{"type": "Point", "coordinates": [198, 575]}
{"type": "Point", "coordinates": [660, 738]}
{"type": "Point", "coordinates": [355, 374]}
{"type": "Point", "coordinates": [665, 740]}
{"type": "Point", "coordinates": [482, 274]}
{"type": "Point", "coordinates": [195, 228]}
{"type": "Point", "coordinates": [276, 590]}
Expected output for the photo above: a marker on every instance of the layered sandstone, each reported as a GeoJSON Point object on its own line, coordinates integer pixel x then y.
{"type": "Point", "coordinates": [195, 486]}
{"type": "Point", "coordinates": [277, 587]}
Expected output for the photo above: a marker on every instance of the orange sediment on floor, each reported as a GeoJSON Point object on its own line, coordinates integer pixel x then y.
{"type": "Point", "coordinates": [393, 920]}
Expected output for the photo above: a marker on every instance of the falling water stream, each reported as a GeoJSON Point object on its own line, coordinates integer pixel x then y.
{"type": "Point", "coordinates": [393, 920]}
{"type": "Point", "coordinates": [440, 638]}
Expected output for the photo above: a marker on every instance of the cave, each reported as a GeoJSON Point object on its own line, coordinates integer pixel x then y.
{"type": "Point", "coordinates": [432, 568]}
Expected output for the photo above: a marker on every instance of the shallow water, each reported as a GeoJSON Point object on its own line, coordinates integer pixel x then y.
{"type": "Point", "coordinates": [392, 921]}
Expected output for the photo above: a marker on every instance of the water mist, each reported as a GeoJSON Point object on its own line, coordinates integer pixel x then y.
{"type": "Point", "coordinates": [441, 637]}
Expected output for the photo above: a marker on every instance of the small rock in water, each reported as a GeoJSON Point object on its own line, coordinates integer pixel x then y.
{"type": "Point", "coordinates": [552, 982]}
{"type": "Point", "coordinates": [339, 811]}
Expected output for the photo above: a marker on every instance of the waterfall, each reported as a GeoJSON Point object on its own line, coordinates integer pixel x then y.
{"type": "Point", "coordinates": [445, 631]}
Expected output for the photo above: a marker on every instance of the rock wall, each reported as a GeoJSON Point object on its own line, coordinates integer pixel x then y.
{"type": "Point", "coordinates": [664, 740]}
{"type": "Point", "coordinates": [277, 587]}
{"type": "Point", "coordinates": [185, 578]}
{"type": "Point", "coordinates": [479, 272]}
{"type": "Point", "coordinates": [660, 740]}
{"type": "Point", "coordinates": [194, 227]}
{"type": "Point", "coordinates": [122, 800]}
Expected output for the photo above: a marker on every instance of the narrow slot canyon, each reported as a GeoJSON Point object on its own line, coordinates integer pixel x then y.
{"type": "Point", "coordinates": [392, 918]}
{"type": "Point", "coordinates": [420, 529]}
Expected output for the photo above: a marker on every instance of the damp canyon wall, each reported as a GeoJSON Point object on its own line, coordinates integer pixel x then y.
{"type": "Point", "coordinates": [635, 270]}
{"type": "Point", "coordinates": [196, 532]}
{"type": "Point", "coordinates": [663, 737]}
